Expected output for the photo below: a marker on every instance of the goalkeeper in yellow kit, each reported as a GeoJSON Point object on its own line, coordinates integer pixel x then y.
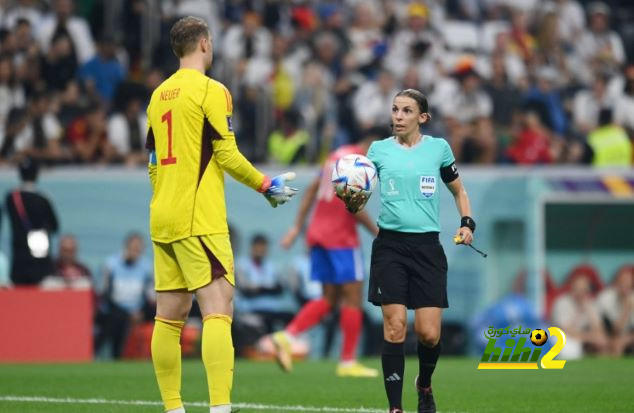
{"type": "Point", "coordinates": [191, 144]}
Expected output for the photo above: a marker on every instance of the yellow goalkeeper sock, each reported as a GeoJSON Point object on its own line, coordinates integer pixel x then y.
{"type": "Point", "coordinates": [217, 349]}
{"type": "Point", "coordinates": [166, 358]}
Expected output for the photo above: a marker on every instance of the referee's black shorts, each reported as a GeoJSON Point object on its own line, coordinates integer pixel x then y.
{"type": "Point", "coordinates": [409, 269]}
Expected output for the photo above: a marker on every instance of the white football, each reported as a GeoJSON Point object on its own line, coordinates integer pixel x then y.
{"type": "Point", "coordinates": [354, 173]}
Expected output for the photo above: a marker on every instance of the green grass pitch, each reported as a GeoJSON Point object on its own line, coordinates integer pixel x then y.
{"type": "Point", "coordinates": [592, 385]}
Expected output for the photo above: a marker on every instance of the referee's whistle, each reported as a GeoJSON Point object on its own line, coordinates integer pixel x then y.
{"type": "Point", "coordinates": [459, 240]}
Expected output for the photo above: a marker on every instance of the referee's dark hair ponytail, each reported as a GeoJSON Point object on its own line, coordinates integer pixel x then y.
{"type": "Point", "coordinates": [419, 97]}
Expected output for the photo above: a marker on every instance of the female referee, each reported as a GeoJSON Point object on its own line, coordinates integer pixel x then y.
{"type": "Point", "coordinates": [408, 267]}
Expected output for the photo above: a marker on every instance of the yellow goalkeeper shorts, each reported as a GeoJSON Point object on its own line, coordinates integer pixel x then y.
{"type": "Point", "coordinates": [193, 262]}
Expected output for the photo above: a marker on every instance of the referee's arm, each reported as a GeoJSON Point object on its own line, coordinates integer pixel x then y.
{"type": "Point", "coordinates": [460, 196]}
{"type": "Point", "coordinates": [464, 207]}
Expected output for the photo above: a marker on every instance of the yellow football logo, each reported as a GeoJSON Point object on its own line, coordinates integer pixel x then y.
{"type": "Point", "coordinates": [539, 337]}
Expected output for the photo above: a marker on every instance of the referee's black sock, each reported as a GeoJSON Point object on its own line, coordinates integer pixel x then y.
{"type": "Point", "coordinates": [427, 358]}
{"type": "Point", "coordinates": [393, 362]}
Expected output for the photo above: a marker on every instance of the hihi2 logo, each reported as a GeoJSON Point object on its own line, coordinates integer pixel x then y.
{"type": "Point", "coordinates": [518, 355]}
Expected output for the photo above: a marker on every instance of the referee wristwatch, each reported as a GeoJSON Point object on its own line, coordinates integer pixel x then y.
{"type": "Point", "coordinates": [468, 222]}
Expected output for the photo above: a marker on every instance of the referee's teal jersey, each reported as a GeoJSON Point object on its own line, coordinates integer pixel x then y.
{"type": "Point", "coordinates": [410, 182]}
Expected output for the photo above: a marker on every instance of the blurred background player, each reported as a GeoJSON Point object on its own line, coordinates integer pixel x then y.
{"type": "Point", "coordinates": [191, 143]}
{"type": "Point", "coordinates": [335, 261]}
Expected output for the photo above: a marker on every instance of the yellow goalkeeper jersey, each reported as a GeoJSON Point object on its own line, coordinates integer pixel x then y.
{"type": "Point", "coordinates": [189, 128]}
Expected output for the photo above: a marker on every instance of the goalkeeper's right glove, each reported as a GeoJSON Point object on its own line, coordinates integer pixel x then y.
{"type": "Point", "coordinates": [277, 192]}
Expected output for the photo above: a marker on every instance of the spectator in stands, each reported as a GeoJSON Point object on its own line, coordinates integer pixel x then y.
{"type": "Point", "coordinates": [7, 41]}
{"type": "Point", "coordinates": [329, 48]}
{"type": "Point", "coordinates": [505, 96]}
{"type": "Point", "coordinates": [414, 39]}
{"type": "Point", "coordinates": [616, 307]}
{"type": "Point", "coordinates": [315, 100]}
{"type": "Point", "coordinates": [33, 222]}
{"type": "Point", "coordinates": [609, 144]}
{"type": "Point", "coordinates": [571, 20]}
{"type": "Point", "coordinates": [253, 121]}
{"type": "Point", "coordinates": [127, 132]}
{"type": "Point", "coordinates": [551, 48]}
{"type": "Point", "coordinates": [206, 10]}
{"type": "Point", "coordinates": [600, 48]}
{"type": "Point", "coordinates": [366, 40]}
{"type": "Point", "coordinates": [23, 9]}
{"type": "Point", "coordinates": [128, 284]}
{"type": "Point", "coordinates": [102, 74]}
{"type": "Point", "coordinates": [373, 101]}
{"type": "Point", "coordinates": [69, 271]}
{"type": "Point", "coordinates": [467, 114]}
{"type": "Point", "coordinates": [11, 91]}
{"type": "Point", "coordinates": [333, 21]}
{"type": "Point", "coordinates": [88, 136]}
{"type": "Point", "coordinates": [588, 103]}
{"type": "Point", "coordinates": [25, 43]}
{"type": "Point", "coordinates": [514, 66]}
{"type": "Point", "coordinates": [531, 144]}
{"type": "Point", "coordinates": [61, 21]}
{"type": "Point", "coordinates": [242, 43]}
{"type": "Point", "coordinates": [287, 145]}
{"type": "Point", "coordinates": [282, 72]}
{"type": "Point", "coordinates": [544, 97]}
{"type": "Point", "coordinates": [42, 138]}
{"type": "Point", "coordinates": [16, 124]}
{"type": "Point", "coordinates": [58, 64]}
{"type": "Point", "coordinates": [575, 313]}
{"type": "Point", "coordinates": [522, 41]}
{"type": "Point", "coordinates": [69, 104]}
{"type": "Point", "coordinates": [248, 40]}
{"type": "Point", "coordinates": [259, 286]}
{"type": "Point", "coordinates": [624, 105]}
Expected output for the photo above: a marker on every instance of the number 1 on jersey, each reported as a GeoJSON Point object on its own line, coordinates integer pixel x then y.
{"type": "Point", "coordinates": [167, 117]}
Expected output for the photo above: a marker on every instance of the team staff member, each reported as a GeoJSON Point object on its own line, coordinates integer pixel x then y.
{"type": "Point", "coordinates": [408, 267]}
{"type": "Point", "coordinates": [192, 142]}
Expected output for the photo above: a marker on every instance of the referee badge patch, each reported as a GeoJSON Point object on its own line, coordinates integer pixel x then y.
{"type": "Point", "coordinates": [427, 185]}
{"type": "Point", "coordinates": [229, 124]}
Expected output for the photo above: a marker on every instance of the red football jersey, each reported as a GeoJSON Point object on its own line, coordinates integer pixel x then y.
{"type": "Point", "coordinates": [331, 225]}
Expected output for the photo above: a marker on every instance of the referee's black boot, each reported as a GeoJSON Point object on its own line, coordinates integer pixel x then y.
{"type": "Point", "coordinates": [426, 402]}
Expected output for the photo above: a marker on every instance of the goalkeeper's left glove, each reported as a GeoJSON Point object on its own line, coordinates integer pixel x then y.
{"type": "Point", "coordinates": [278, 192]}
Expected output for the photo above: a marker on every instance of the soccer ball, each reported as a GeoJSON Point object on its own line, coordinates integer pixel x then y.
{"type": "Point", "coordinates": [354, 173]}
{"type": "Point", "coordinates": [539, 337]}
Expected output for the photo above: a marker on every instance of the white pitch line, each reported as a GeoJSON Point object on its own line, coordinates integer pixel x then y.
{"type": "Point", "coordinates": [256, 406]}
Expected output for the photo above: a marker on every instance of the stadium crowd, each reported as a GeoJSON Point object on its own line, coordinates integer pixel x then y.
{"type": "Point", "coordinates": [512, 81]}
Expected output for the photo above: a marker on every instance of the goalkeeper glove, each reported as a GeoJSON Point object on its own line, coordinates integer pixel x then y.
{"type": "Point", "coordinates": [278, 192]}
